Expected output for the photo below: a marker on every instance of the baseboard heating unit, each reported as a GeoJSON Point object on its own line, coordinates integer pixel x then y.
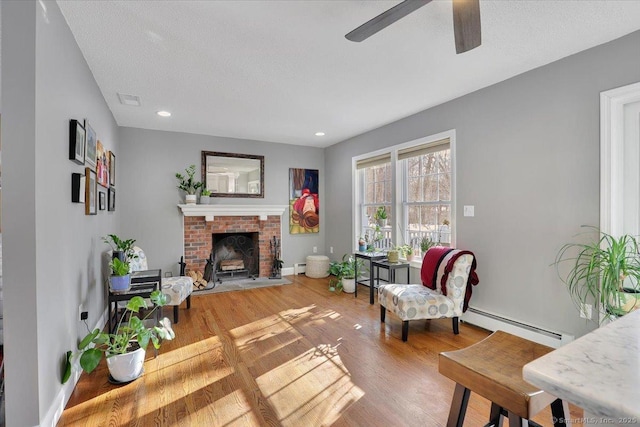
{"type": "Point", "coordinates": [493, 322]}
{"type": "Point", "coordinates": [299, 268]}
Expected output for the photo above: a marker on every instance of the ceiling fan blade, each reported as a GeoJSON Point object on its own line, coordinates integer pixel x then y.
{"type": "Point", "coordinates": [385, 19]}
{"type": "Point", "coordinates": [466, 24]}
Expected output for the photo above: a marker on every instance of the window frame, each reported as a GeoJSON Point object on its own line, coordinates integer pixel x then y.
{"type": "Point", "coordinates": [399, 205]}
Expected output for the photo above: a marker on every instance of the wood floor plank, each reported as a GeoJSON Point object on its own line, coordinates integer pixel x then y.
{"type": "Point", "coordinates": [292, 355]}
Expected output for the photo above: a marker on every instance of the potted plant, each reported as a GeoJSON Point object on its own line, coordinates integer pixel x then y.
{"type": "Point", "coordinates": [120, 279]}
{"type": "Point", "coordinates": [406, 251]}
{"type": "Point", "coordinates": [125, 348]}
{"type": "Point", "coordinates": [425, 244]}
{"type": "Point", "coordinates": [122, 248]}
{"type": "Point", "coordinates": [605, 270]}
{"type": "Point", "coordinates": [189, 184]}
{"type": "Point", "coordinates": [205, 198]}
{"type": "Point", "coordinates": [362, 244]}
{"type": "Point", "coordinates": [344, 273]}
{"type": "Point", "coordinates": [380, 216]}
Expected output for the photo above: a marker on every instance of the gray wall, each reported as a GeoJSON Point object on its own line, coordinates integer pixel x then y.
{"type": "Point", "coordinates": [528, 159]}
{"type": "Point", "coordinates": [50, 248]}
{"type": "Point", "coordinates": [147, 196]}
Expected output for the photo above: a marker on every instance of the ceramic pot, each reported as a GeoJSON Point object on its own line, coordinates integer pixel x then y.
{"type": "Point", "coordinates": [205, 200]}
{"type": "Point", "coordinates": [348, 285]}
{"type": "Point", "coordinates": [126, 367]}
{"type": "Point", "coordinates": [120, 283]}
{"type": "Point", "coordinates": [190, 199]}
{"type": "Point", "coordinates": [393, 256]}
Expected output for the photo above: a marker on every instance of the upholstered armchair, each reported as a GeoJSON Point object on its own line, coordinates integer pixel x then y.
{"type": "Point", "coordinates": [447, 276]}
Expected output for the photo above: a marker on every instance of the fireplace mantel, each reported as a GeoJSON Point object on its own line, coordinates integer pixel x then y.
{"type": "Point", "coordinates": [209, 212]}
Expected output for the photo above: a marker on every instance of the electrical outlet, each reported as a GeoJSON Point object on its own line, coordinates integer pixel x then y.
{"type": "Point", "coordinates": [331, 250]}
{"type": "Point", "coordinates": [80, 310]}
{"type": "Point", "coordinates": [315, 249]}
{"type": "Point", "coordinates": [84, 315]}
{"type": "Point", "coordinates": [586, 311]}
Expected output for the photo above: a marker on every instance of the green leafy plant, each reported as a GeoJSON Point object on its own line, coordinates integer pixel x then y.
{"type": "Point", "coordinates": [425, 244]}
{"type": "Point", "coordinates": [121, 245]}
{"type": "Point", "coordinates": [603, 270]}
{"type": "Point", "coordinates": [381, 213]}
{"type": "Point", "coordinates": [205, 192]}
{"type": "Point", "coordinates": [119, 267]}
{"type": "Point", "coordinates": [345, 269]}
{"type": "Point", "coordinates": [405, 250]}
{"type": "Point", "coordinates": [187, 182]}
{"type": "Point", "coordinates": [97, 344]}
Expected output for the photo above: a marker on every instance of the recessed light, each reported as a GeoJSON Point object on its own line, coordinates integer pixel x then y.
{"type": "Point", "coordinates": [319, 133]}
{"type": "Point", "coordinates": [163, 113]}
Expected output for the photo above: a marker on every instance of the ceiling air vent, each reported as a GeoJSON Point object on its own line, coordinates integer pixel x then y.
{"type": "Point", "coordinates": [132, 100]}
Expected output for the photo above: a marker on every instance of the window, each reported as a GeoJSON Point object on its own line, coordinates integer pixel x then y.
{"type": "Point", "coordinates": [376, 179]}
{"type": "Point", "coordinates": [414, 183]}
{"type": "Point", "coordinates": [426, 197]}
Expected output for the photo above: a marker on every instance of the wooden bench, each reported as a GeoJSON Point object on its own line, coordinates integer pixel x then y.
{"type": "Point", "coordinates": [492, 368]}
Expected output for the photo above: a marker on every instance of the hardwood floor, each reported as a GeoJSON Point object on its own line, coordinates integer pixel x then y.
{"type": "Point", "coordinates": [292, 355]}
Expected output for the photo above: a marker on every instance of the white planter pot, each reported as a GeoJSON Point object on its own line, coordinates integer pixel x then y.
{"type": "Point", "coordinates": [348, 285]}
{"type": "Point", "coordinates": [190, 199]}
{"type": "Point", "coordinates": [126, 367]}
{"type": "Point", "coordinates": [205, 200]}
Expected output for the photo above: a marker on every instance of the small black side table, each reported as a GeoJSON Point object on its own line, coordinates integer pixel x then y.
{"type": "Point", "coordinates": [142, 284]}
{"type": "Point", "coordinates": [371, 256]}
{"type": "Point", "coordinates": [391, 267]}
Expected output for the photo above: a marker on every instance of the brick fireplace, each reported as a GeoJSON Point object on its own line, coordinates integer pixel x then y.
{"type": "Point", "coordinates": [201, 222]}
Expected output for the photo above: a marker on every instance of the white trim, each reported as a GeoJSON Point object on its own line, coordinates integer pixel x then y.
{"type": "Point", "coordinates": [612, 104]}
{"type": "Point", "coordinates": [211, 211]}
{"type": "Point", "coordinates": [54, 413]}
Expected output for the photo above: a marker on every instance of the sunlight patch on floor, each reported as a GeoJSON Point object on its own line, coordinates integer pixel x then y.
{"type": "Point", "coordinates": [311, 389]}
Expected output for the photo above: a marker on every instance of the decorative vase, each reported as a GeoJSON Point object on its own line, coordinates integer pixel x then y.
{"type": "Point", "coordinates": [393, 256]}
{"type": "Point", "coordinates": [126, 367]}
{"type": "Point", "coordinates": [120, 283]}
{"type": "Point", "coordinates": [190, 199]}
{"type": "Point", "coordinates": [205, 200]}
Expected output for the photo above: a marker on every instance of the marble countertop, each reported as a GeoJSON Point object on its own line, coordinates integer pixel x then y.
{"type": "Point", "coordinates": [599, 372]}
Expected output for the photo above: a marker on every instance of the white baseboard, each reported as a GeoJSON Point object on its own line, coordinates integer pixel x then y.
{"type": "Point", "coordinates": [62, 398]}
{"type": "Point", "coordinates": [288, 271]}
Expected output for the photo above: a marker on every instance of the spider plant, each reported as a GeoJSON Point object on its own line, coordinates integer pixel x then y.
{"type": "Point", "coordinates": [606, 270]}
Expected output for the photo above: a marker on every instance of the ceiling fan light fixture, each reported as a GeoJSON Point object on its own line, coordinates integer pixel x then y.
{"type": "Point", "coordinates": [163, 113]}
{"type": "Point", "coordinates": [319, 133]}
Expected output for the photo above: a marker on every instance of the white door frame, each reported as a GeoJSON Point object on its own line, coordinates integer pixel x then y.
{"type": "Point", "coordinates": [612, 103]}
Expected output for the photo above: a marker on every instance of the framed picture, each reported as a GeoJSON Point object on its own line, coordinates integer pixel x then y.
{"type": "Point", "coordinates": [102, 205]}
{"type": "Point", "coordinates": [102, 169]}
{"type": "Point", "coordinates": [90, 197]}
{"type": "Point", "coordinates": [91, 148]}
{"type": "Point", "coordinates": [112, 168]}
{"type": "Point", "coordinates": [112, 199]}
{"type": "Point", "coordinates": [304, 215]}
{"type": "Point", "coordinates": [77, 188]}
{"type": "Point", "coordinates": [76, 142]}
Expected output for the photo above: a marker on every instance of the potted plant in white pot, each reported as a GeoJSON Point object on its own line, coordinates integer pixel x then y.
{"type": "Point", "coordinates": [205, 196]}
{"type": "Point", "coordinates": [189, 184]}
{"type": "Point", "coordinates": [125, 348]}
{"type": "Point", "coordinates": [344, 273]}
{"type": "Point", "coordinates": [605, 270]}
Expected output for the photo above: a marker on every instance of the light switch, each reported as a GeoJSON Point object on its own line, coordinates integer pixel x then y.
{"type": "Point", "coordinates": [469, 210]}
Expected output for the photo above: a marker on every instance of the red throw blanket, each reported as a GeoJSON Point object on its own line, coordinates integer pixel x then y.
{"type": "Point", "coordinates": [439, 261]}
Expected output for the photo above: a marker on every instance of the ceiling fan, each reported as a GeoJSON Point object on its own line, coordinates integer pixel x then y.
{"type": "Point", "coordinates": [466, 22]}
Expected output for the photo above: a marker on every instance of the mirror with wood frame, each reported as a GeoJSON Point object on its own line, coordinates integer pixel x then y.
{"type": "Point", "coordinates": [233, 175]}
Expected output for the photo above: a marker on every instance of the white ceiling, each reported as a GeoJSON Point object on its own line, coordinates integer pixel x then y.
{"type": "Point", "coordinates": [282, 70]}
